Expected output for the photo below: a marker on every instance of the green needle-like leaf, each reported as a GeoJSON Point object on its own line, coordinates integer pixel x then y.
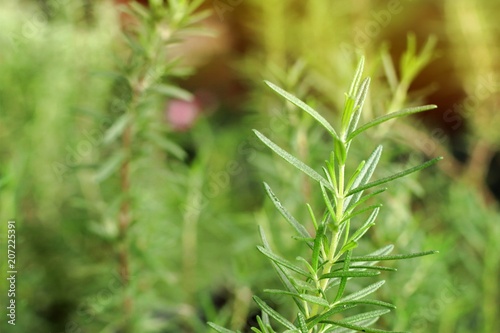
{"type": "Point", "coordinates": [393, 257]}
{"type": "Point", "coordinates": [286, 214]}
{"type": "Point", "coordinates": [343, 280]}
{"type": "Point", "coordinates": [369, 302]}
{"type": "Point", "coordinates": [340, 151]}
{"type": "Point", "coordinates": [110, 166]}
{"type": "Point", "coordinates": [168, 145]}
{"type": "Point", "coordinates": [294, 100]}
{"type": "Point", "coordinates": [303, 285]}
{"type": "Point", "coordinates": [347, 114]}
{"type": "Point", "coordinates": [358, 105]}
{"type": "Point", "coordinates": [264, 326]}
{"type": "Point", "coordinates": [379, 268]}
{"type": "Point", "coordinates": [273, 314]}
{"type": "Point", "coordinates": [367, 225]}
{"type": "Point", "coordinates": [281, 292]}
{"type": "Point", "coordinates": [328, 203]}
{"type": "Point", "coordinates": [363, 316]}
{"type": "Point", "coordinates": [361, 328]}
{"type": "Point", "coordinates": [311, 322]}
{"type": "Point", "coordinates": [317, 247]}
{"type": "Point", "coordinates": [357, 77]}
{"type": "Point", "coordinates": [117, 128]}
{"type": "Point", "coordinates": [285, 278]}
{"type": "Point", "coordinates": [308, 265]}
{"type": "Point", "coordinates": [350, 245]}
{"type": "Point", "coordinates": [355, 175]}
{"type": "Point", "coordinates": [364, 175]}
{"type": "Point", "coordinates": [331, 169]}
{"type": "Point", "coordinates": [392, 115]}
{"type": "Point", "coordinates": [331, 179]}
{"type": "Point", "coordinates": [220, 329]}
{"type": "Point", "coordinates": [172, 91]}
{"type": "Point", "coordinates": [362, 323]}
{"type": "Point", "coordinates": [302, 323]}
{"type": "Point", "coordinates": [282, 262]}
{"type": "Point", "coordinates": [395, 176]}
{"type": "Point", "coordinates": [366, 315]}
{"type": "Point", "coordinates": [361, 211]}
{"type": "Point", "coordinates": [363, 292]}
{"type": "Point", "coordinates": [315, 300]}
{"type": "Point", "coordinates": [363, 199]}
{"type": "Point", "coordinates": [340, 274]}
{"type": "Point", "coordinates": [294, 161]}
{"type": "Point", "coordinates": [313, 218]}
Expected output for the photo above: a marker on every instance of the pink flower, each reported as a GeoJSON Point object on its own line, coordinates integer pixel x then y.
{"type": "Point", "coordinates": [182, 114]}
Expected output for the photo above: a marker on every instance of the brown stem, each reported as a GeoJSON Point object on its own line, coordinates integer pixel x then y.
{"type": "Point", "coordinates": [124, 222]}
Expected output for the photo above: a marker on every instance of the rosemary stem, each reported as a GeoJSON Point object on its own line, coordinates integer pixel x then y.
{"type": "Point", "coordinates": [335, 233]}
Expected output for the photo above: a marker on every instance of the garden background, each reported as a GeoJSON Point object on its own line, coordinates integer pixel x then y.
{"type": "Point", "coordinates": [128, 162]}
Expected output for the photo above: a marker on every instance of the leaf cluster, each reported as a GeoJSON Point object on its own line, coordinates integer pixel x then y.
{"type": "Point", "coordinates": [147, 76]}
{"type": "Point", "coordinates": [318, 286]}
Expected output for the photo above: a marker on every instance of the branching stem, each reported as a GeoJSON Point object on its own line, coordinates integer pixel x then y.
{"type": "Point", "coordinates": [331, 258]}
{"type": "Point", "coordinates": [124, 223]}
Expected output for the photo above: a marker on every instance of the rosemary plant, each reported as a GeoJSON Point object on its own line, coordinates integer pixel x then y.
{"type": "Point", "coordinates": [317, 286]}
{"type": "Point", "coordinates": [137, 136]}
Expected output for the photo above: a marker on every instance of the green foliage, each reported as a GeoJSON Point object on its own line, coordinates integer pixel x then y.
{"type": "Point", "coordinates": [131, 169]}
{"type": "Point", "coordinates": [76, 76]}
{"type": "Point", "coordinates": [322, 291]}
{"type": "Point", "coordinates": [94, 162]}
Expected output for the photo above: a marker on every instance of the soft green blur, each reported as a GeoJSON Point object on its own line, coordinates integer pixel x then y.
{"type": "Point", "coordinates": [195, 218]}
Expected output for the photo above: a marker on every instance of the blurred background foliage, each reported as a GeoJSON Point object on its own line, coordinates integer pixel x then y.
{"type": "Point", "coordinates": [75, 76]}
